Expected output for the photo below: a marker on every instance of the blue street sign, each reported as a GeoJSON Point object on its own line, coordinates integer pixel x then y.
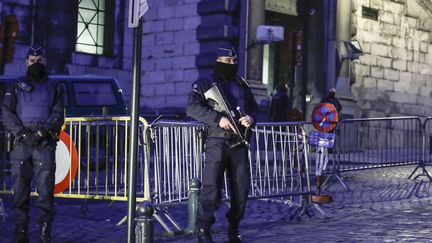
{"type": "Point", "coordinates": [321, 139]}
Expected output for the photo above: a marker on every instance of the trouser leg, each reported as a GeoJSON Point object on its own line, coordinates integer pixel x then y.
{"type": "Point", "coordinates": [44, 177]}
{"type": "Point", "coordinates": [21, 166]}
{"type": "Point", "coordinates": [239, 177]}
{"type": "Point", "coordinates": [210, 194]}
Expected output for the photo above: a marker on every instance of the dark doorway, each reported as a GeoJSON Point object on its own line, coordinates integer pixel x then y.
{"type": "Point", "coordinates": [282, 60]}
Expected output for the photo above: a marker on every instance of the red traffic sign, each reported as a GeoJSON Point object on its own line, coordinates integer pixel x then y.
{"type": "Point", "coordinates": [325, 117]}
{"type": "Point", "coordinates": [66, 162]}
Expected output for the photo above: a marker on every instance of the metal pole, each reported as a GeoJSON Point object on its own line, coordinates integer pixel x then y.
{"type": "Point", "coordinates": [134, 131]}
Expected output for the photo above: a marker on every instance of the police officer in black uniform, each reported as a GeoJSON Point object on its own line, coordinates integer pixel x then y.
{"type": "Point", "coordinates": [33, 113]}
{"type": "Point", "coordinates": [220, 153]}
{"type": "Point", "coordinates": [331, 98]}
{"type": "Point", "coordinates": [279, 107]}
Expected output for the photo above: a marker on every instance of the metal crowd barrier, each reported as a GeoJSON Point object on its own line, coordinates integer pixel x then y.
{"type": "Point", "coordinates": [102, 151]}
{"type": "Point", "coordinates": [171, 154]}
{"type": "Point", "coordinates": [378, 142]}
{"type": "Point", "coordinates": [428, 141]}
{"type": "Point", "coordinates": [177, 157]}
{"type": "Point", "coordinates": [279, 160]}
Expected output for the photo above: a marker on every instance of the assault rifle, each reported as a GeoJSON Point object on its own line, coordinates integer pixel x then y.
{"type": "Point", "coordinates": [219, 104]}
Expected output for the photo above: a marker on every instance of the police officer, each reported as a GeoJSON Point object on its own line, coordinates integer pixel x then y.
{"type": "Point", "coordinates": [279, 106]}
{"type": "Point", "coordinates": [33, 113]}
{"type": "Point", "coordinates": [331, 98]}
{"type": "Point", "coordinates": [220, 153]}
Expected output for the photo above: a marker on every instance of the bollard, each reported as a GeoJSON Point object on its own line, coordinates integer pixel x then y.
{"type": "Point", "coordinates": [194, 189]}
{"type": "Point", "coordinates": [144, 224]}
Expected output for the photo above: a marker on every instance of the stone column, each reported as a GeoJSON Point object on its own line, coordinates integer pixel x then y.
{"type": "Point", "coordinates": [343, 75]}
{"type": "Point", "coordinates": [329, 15]}
{"type": "Point", "coordinates": [255, 54]}
{"type": "Point", "coordinates": [343, 32]}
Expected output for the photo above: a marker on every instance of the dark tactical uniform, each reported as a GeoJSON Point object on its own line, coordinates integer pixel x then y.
{"type": "Point", "coordinates": [27, 108]}
{"type": "Point", "coordinates": [331, 98]}
{"type": "Point", "coordinates": [219, 156]}
{"type": "Point", "coordinates": [279, 106]}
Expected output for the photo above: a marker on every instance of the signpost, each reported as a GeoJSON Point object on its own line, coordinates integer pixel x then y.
{"type": "Point", "coordinates": [137, 8]}
{"type": "Point", "coordinates": [321, 139]}
{"type": "Point", "coordinates": [325, 117]}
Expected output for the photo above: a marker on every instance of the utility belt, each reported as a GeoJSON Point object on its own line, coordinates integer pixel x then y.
{"type": "Point", "coordinates": [218, 133]}
{"type": "Point", "coordinates": [230, 137]}
{"type": "Point", "coordinates": [51, 138]}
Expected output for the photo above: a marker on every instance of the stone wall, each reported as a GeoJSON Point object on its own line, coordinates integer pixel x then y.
{"type": "Point", "coordinates": [169, 49]}
{"type": "Point", "coordinates": [394, 76]}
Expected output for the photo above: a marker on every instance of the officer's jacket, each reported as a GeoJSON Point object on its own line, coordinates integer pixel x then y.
{"type": "Point", "coordinates": [237, 92]}
{"type": "Point", "coordinates": [332, 100]}
{"type": "Point", "coordinates": [29, 105]}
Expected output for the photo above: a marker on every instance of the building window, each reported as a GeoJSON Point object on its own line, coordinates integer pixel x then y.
{"type": "Point", "coordinates": [94, 32]}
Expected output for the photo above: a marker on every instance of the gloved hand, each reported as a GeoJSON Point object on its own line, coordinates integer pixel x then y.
{"type": "Point", "coordinates": [31, 139]}
{"type": "Point", "coordinates": [42, 133]}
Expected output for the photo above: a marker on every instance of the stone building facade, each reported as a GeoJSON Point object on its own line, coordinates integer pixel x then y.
{"type": "Point", "coordinates": [394, 76]}
{"type": "Point", "coordinates": [179, 38]}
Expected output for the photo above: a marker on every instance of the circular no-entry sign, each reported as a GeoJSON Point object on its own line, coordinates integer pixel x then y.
{"type": "Point", "coordinates": [66, 162]}
{"type": "Point", "coordinates": [325, 117]}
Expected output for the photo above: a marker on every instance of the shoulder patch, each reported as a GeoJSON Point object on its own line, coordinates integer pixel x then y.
{"type": "Point", "coordinates": [195, 88]}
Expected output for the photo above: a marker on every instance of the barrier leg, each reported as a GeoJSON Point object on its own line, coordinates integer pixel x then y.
{"type": "Point", "coordinates": [84, 209]}
{"type": "Point", "coordinates": [424, 172]}
{"type": "Point", "coordinates": [321, 164]}
{"type": "Point", "coordinates": [195, 185]}
{"type": "Point", "coordinates": [144, 223]}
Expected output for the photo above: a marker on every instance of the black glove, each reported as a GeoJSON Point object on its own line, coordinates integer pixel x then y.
{"type": "Point", "coordinates": [42, 133]}
{"type": "Point", "coordinates": [54, 135]}
{"type": "Point", "coordinates": [31, 139]}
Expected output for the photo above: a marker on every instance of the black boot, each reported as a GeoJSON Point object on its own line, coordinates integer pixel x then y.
{"type": "Point", "coordinates": [204, 236]}
{"type": "Point", "coordinates": [21, 234]}
{"type": "Point", "coordinates": [233, 233]}
{"type": "Point", "coordinates": [45, 232]}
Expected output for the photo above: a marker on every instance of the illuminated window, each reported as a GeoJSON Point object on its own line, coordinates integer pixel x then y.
{"type": "Point", "coordinates": [93, 32]}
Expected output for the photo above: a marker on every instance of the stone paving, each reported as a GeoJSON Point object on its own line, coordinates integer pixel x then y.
{"type": "Point", "coordinates": [383, 206]}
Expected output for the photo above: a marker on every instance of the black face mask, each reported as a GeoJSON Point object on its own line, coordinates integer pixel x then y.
{"type": "Point", "coordinates": [224, 70]}
{"type": "Point", "coordinates": [37, 72]}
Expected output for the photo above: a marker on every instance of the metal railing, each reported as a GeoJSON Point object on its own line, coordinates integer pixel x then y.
{"type": "Point", "coordinates": [378, 142]}
{"type": "Point", "coordinates": [102, 149]}
{"type": "Point", "coordinates": [177, 157]}
{"type": "Point", "coordinates": [428, 141]}
{"type": "Point", "coordinates": [280, 159]}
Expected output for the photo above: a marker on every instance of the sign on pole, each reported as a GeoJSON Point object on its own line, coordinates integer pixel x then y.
{"type": "Point", "coordinates": [137, 8]}
{"type": "Point", "coordinates": [325, 117]}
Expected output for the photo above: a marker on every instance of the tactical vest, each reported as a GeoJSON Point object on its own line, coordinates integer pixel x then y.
{"type": "Point", "coordinates": [235, 94]}
{"type": "Point", "coordinates": [34, 106]}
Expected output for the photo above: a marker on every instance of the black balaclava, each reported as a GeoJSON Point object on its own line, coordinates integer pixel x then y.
{"type": "Point", "coordinates": [37, 73]}
{"type": "Point", "coordinates": [225, 70]}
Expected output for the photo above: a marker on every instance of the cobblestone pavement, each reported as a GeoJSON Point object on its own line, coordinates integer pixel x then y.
{"type": "Point", "coordinates": [383, 206]}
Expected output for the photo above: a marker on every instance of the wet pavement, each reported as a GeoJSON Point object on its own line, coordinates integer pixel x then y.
{"type": "Point", "coordinates": [383, 206]}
